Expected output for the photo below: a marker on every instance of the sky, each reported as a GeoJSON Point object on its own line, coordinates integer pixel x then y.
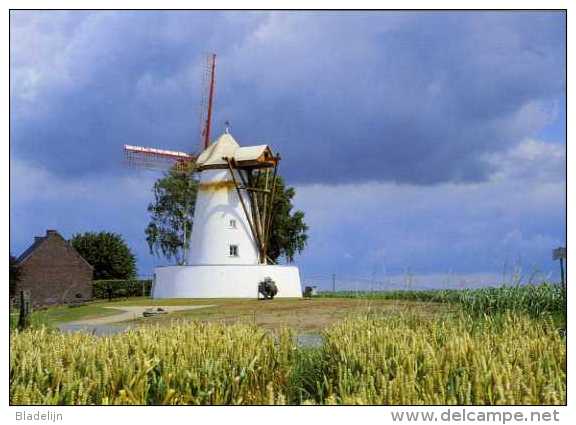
{"type": "Point", "coordinates": [426, 146]}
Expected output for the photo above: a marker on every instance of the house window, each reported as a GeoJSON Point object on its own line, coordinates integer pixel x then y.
{"type": "Point", "coordinates": [232, 224]}
{"type": "Point", "coordinates": [233, 250]}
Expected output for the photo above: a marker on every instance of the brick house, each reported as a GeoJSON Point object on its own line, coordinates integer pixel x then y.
{"type": "Point", "coordinates": [54, 272]}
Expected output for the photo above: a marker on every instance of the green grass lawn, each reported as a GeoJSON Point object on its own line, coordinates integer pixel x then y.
{"type": "Point", "coordinates": [53, 316]}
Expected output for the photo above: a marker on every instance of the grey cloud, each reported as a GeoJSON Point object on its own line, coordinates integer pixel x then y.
{"type": "Point", "coordinates": [464, 228]}
{"type": "Point", "coordinates": [416, 98]}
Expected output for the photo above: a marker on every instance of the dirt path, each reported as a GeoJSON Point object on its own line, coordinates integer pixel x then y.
{"type": "Point", "coordinates": [131, 313]}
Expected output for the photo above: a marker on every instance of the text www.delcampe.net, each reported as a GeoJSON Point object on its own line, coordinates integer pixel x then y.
{"type": "Point", "coordinates": [463, 415]}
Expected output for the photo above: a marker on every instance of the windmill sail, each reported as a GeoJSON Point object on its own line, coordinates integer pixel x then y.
{"type": "Point", "coordinates": [157, 159]}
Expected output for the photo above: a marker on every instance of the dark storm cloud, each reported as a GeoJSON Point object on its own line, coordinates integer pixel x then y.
{"type": "Point", "coordinates": [345, 97]}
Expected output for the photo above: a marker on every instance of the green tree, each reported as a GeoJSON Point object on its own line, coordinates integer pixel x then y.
{"type": "Point", "coordinates": [173, 209]}
{"type": "Point", "coordinates": [107, 253]}
{"type": "Point", "coordinates": [171, 213]}
{"type": "Point", "coordinates": [288, 230]}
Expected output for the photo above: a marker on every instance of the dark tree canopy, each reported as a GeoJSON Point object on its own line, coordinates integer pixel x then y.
{"type": "Point", "coordinates": [107, 253]}
{"type": "Point", "coordinates": [288, 231]}
{"type": "Point", "coordinates": [171, 214]}
{"type": "Point", "coordinates": [173, 209]}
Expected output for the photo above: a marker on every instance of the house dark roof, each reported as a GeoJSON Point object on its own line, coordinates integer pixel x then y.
{"type": "Point", "coordinates": [38, 241]}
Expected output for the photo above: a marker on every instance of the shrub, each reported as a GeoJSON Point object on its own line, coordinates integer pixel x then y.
{"type": "Point", "coordinates": [120, 288]}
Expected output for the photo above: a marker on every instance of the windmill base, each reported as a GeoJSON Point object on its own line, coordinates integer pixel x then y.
{"type": "Point", "coordinates": [223, 281]}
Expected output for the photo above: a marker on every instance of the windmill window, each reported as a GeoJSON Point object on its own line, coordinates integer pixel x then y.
{"type": "Point", "coordinates": [232, 224]}
{"type": "Point", "coordinates": [233, 250]}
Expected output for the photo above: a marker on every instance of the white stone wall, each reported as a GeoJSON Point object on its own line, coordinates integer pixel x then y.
{"type": "Point", "coordinates": [231, 281]}
{"type": "Point", "coordinates": [216, 205]}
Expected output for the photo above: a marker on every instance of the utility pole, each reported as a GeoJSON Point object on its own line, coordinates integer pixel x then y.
{"type": "Point", "coordinates": [560, 254]}
{"type": "Point", "coordinates": [333, 282]}
{"type": "Point", "coordinates": [25, 310]}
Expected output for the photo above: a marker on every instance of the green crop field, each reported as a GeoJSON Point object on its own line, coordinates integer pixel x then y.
{"type": "Point", "coordinates": [534, 300]}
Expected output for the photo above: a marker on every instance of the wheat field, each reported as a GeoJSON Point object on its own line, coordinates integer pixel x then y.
{"type": "Point", "coordinates": [505, 359]}
{"type": "Point", "coordinates": [508, 359]}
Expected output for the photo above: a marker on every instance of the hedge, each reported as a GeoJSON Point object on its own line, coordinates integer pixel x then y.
{"type": "Point", "coordinates": [121, 288]}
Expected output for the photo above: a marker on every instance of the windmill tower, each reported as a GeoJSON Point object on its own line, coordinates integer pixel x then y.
{"type": "Point", "coordinates": [227, 255]}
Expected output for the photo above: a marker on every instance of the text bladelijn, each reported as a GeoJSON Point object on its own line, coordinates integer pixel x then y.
{"type": "Point", "coordinates": [48, 416]}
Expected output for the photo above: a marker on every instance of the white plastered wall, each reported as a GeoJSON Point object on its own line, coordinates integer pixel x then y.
{"type": "Point", "coordinates": [230, 281]}
{"type": "Point", "coordinates": [216, 205]}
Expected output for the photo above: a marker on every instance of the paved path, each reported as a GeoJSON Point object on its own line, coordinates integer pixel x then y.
{"type": "Point", "coordinates": [132, 312]}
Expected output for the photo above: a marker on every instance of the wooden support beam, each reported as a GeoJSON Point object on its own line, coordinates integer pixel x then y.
{"type": "Point", "coordinates": [257, 218]}
{"type": "Point", "coordinates": [255, 189]}
{"type": "Point", "coordinates": [266, 197]}
{"type": "Point", "coordinates": [248, 181]}
{"type": "Point", "coordinates": [261, 204]}
{"type": "Point", "coordinates": [259, 199]}
{"type": "Point", "coordinates": [271, 207]}
{"type": "Point", "coordinates": [254, 234]}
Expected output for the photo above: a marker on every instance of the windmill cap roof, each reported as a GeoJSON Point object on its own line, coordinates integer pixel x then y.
{"type": "Point", "coordinates": [248, 153]}
{"type": "Point", "coordinates": [226, 147]}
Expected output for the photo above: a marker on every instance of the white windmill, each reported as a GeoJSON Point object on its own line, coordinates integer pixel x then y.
{"type": "Point", "coordinates": [227, 256]}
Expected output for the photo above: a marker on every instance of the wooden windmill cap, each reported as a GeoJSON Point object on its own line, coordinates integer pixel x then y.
{"type": "Point", "coordinates": [211, 157]}
{"type": "Point", "coordinates": [225, 146]}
